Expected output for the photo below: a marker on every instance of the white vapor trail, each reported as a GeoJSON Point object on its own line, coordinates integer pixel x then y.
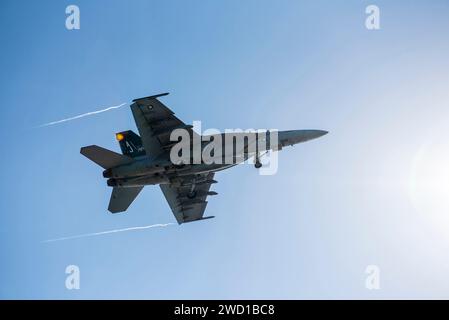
{"type": "Point", "coordinates": [82, 115]}
{"type": "Point", "coordinates": [107, 232]}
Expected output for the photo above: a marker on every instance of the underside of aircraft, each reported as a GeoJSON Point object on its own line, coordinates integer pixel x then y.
{"type": "Point", "coordinates": [146, 159]}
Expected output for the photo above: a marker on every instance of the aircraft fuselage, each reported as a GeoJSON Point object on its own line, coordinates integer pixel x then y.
{"type": "Point", "coordinates": [146, 170]}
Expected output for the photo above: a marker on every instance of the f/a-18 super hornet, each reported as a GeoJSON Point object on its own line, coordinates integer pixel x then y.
{"type": "Point", "coordinates": [158, 156]}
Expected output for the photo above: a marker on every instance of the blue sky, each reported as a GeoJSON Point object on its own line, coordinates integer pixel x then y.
{"type": "Point", "coordinates": [371, 192]}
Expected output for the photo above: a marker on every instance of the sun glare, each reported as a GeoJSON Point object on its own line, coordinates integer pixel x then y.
{"type": "Point", "coordinates": [429, 182]}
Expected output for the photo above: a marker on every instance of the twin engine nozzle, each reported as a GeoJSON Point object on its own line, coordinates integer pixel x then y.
{"type": "Point", "coordinates": [136, 168]}
{"type": "Point", "coordinates": [138, 181]}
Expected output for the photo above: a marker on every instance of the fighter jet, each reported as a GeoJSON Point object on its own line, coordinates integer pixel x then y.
{"type": "Point", "coordinates": [148, 159]}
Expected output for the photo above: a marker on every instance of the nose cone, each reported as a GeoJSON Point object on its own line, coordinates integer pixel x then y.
{"type": "Point", "coordinates": [317, 133]}
{"type": "Point", "coordinates": [297, 136]}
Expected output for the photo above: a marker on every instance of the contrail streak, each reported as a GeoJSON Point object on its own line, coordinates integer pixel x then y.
{"type": "Point", "coordinates": [82, 115]}
{"type": "Point", "coordinates": [107, 232]}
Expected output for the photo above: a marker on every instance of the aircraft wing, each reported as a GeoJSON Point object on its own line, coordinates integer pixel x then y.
{"type": "Point", "coordinates": [188, 209]}
{"type": "Point", "coordinates": [155, 122]}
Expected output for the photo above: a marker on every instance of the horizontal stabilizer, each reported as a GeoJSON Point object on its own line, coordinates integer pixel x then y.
{"type": "Point", "coordinates": [121, 198]}
{"type": "Point", "coordinates": [104, 157]}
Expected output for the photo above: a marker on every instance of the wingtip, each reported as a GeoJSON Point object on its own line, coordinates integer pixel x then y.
{"type": "Point", "coordinates": [203, 218]}
{"type": "Point", "coordinates": [152, 97]}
